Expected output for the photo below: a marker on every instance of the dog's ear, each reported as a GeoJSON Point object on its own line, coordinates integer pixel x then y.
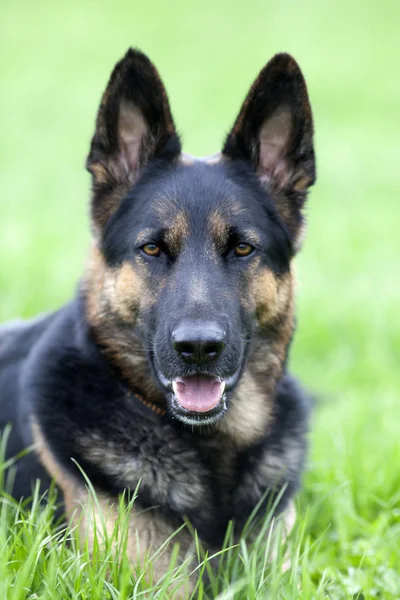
{"type": "Point", "coordinates": [274, 131]}
{"type": "Point", "coordinates": [134, 124]}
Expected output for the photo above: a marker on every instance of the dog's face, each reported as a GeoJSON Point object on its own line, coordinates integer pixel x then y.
{"type": "Point", "coordinates": [192, 257]}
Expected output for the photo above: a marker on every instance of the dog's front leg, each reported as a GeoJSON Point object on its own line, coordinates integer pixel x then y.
{"type": "Point", "coordinates": [268, 478]}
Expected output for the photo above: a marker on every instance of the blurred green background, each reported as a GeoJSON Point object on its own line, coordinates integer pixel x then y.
{"type": "Point", "coordinates": [56, 59]}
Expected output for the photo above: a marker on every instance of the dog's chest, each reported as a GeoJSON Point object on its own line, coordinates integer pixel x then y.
{"type": "Point", "coordinates": [182, 474]}
{"type": "Point", "coordinates": [191, 478]}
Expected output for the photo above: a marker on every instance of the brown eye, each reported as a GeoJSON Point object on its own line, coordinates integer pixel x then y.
{"type": "Point", "coordinates": [151, 249]}
{"type": "Point", "coordinates": [243, 249]}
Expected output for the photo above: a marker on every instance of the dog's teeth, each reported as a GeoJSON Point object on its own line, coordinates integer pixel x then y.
{"type": "Point", "coordinates": [174, 386]}
{"type": "Point", "coordinates": [222, 387]}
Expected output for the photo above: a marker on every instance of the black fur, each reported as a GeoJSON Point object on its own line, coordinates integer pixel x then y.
{"type": "Point", "coordinates": [71, 370]}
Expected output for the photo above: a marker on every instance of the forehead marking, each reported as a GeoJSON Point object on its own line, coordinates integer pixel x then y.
{"type": "Point", "coordinates": [219, 228]}
{"type": "Point", "coordinates": [178, 232]}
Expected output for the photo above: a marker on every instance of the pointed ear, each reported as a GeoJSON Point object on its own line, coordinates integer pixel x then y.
{"type": "Point", "coordinates": [134, 124]}
{"type": "Point", "coordinates": [274, 132]}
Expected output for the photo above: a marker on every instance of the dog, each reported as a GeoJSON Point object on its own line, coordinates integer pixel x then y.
{"type": "Point", "coordinates": [167, 373]}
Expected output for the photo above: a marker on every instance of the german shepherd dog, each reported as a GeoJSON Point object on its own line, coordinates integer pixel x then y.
{"type": "Point", "coordinates": [168, 371]}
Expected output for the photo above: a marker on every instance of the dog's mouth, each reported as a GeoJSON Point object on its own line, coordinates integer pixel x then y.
{"type": "Point", "coordinates": [198, 399]}
{"type": "Point", "coordinates": [198, 393]}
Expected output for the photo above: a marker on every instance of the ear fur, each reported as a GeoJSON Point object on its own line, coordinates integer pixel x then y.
{"type": "Point", "coordinates": [274, 132]}
{"type": "Point", "coordinates": [134, 124]}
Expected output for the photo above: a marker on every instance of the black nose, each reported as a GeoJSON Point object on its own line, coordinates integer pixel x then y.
{"type": "Point", "coordinates": [198, 342]}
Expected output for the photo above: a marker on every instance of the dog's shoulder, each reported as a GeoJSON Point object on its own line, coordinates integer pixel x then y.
{"type": "Point", "coordinates": [17, 337]}
{"type": "Point", "coordinates": [18, 340]}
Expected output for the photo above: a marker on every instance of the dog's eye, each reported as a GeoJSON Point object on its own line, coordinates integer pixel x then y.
{"type": "Point", "coordinates": [151, 249]}
{"type": "Point", "coordinates": [243, 249]}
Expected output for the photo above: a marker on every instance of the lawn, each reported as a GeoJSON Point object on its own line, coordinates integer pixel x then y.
{"type": "Point", "coordinates": [56, 59]}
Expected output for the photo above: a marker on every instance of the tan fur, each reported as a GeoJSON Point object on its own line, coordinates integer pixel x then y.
{"type": "Point", "coordinates": [271, 295]}
{"type": "Point", "coordinates": [178, 233]}
{"type": "Point", "coordinates": [100, 173]}
{"type": "Point", "coordinates": [127, 292]}
{"type": "Point", "coordinates": [113, 295]}
{"type": "Point", "coordinates": [115, 290]}
{"type": "Point", "coordinates": [302, 184]}
{"type": "Point", "coordinates": [147, 534]}
{"type": "Point", "coordinates": [67, 484]}
{"type": "Point", "coordinates": [251, 409]}
{"type": "Point", "coordinates": [110, 201]}
{"type": "Point", "coordinates": [264, 294]}
{"type": "Point", "coordinates": [218, 226]}
{"type": "Point", "coordinates": [118, 289]}
{"type": "Point", "coordinates": [175, 222]}
{"type": "Point", "coordinates": [147, 531]}
{"type": "Point", "coordinates": [219, 229]}
{"type": "Point", "coordinates": [127, 354]}
{"type": "Point", "coordinates": [288, 520]}
{"type": "Point", "coordinates": [290, 517]}
{"type": "Point", "coordinates": [94, 281]}
{"type": "Point", "coordinates": [249, 412]}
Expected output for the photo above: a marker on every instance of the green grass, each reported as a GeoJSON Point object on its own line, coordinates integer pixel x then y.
{"type": "Point", "coordinates": [56, 60]}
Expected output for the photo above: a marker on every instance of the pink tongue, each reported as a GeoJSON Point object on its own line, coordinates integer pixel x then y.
{"type": "Point", "coordinates": [198, 394]}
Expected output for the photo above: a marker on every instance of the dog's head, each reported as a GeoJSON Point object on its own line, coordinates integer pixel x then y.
{"type": "Point", "coordinates": [191, 261]}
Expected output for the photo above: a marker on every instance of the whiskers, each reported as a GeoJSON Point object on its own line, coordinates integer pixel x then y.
{"type": "Point", "coordinates": [141, 349]}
